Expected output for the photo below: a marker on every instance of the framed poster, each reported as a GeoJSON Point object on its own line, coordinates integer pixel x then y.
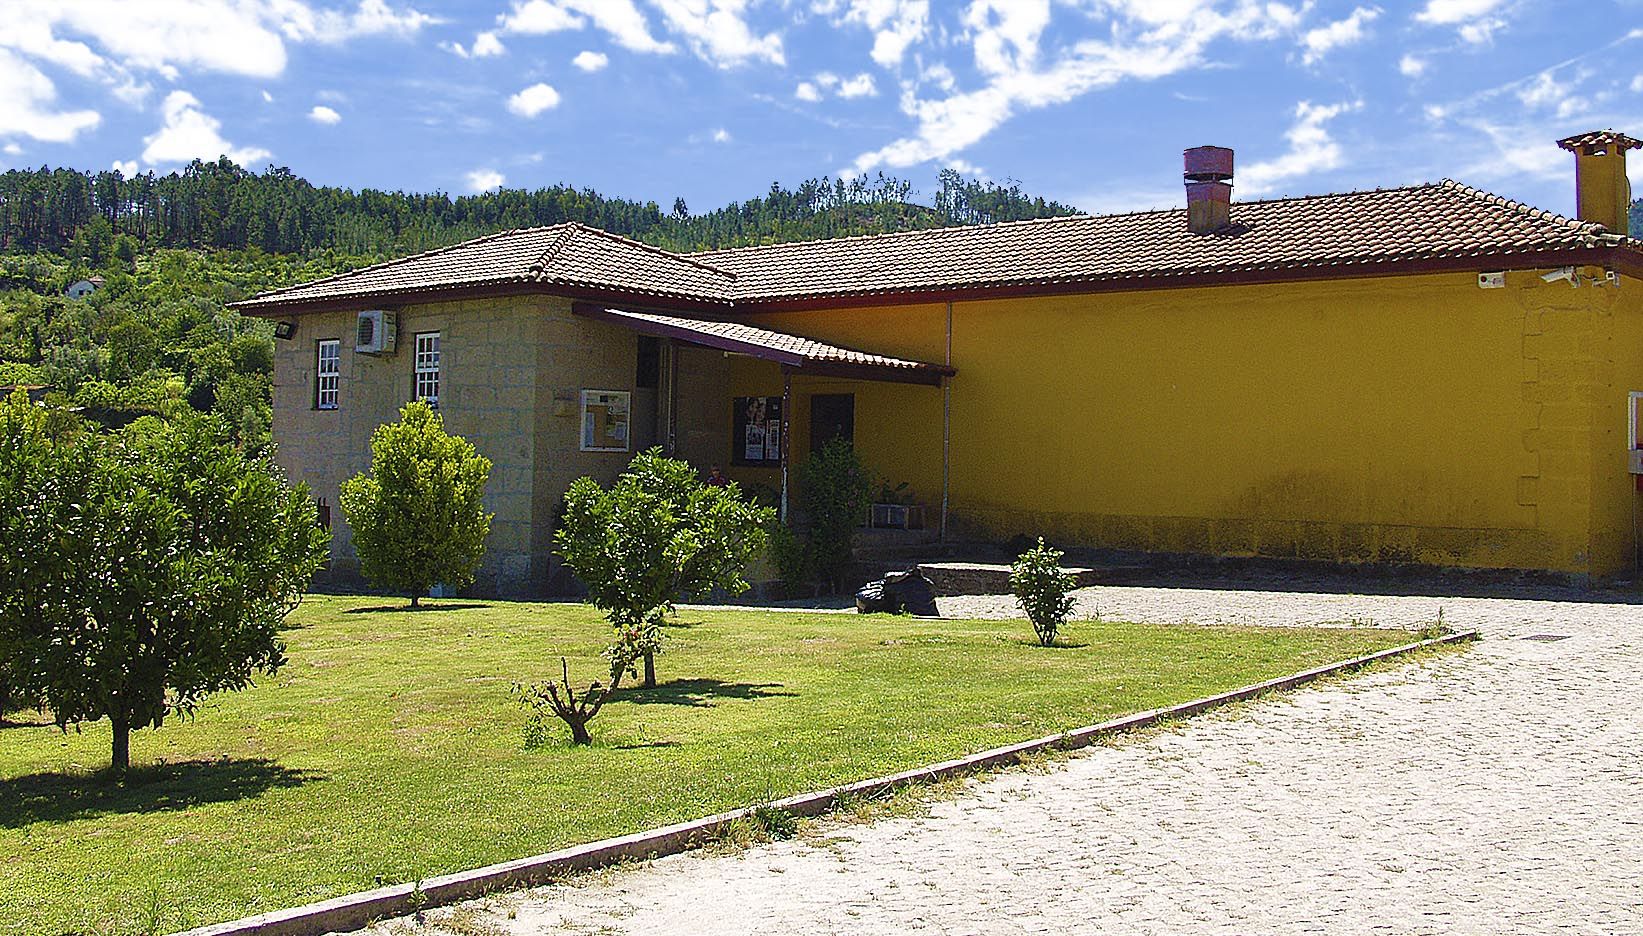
{"type": "Point", "coordinates": [605, 416]}
{"type": "Point", "coordinates": [756, 431]}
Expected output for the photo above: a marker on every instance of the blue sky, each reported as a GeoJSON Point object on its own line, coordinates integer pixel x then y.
{"type": "Point", "coordinates": [1086, 101]}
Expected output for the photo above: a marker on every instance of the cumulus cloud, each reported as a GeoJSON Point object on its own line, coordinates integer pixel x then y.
{"type": "Point", "coordinates": [1637, 85]}
{"type": "Point", "coordinates": [619, 18]}
{"type": "Point", "coordinates": [721, 135]}
{"type": "Point", "coordinates": [1142, 40]}
{"type": "Point", "coordinates": [718, 31]}
{"type": "Point", "coordinates": [590, 61]}
{"type": "Point", "coordinates": [1412, 67]}
{"type": "Point", "coordinates": [807, 91]}
{"type": "Point", "coordinates": [483, 180]}
{"type": "Point", "coordinates": [212, 35]}
{"type": "Point", "coordinates": [187, 132]}
{"type": "Point", "coordinates": [486, 44]}
{"type": "Point", "coordinates": [895, 24]}
{"type": "Point", "coordinates": [1318, 42]}
{"type": "Point", "coordinates": [324, 115]}
{"type": "Point", "coordinates": [12, 149]}
{"type": "Point", "coordinates": [1311, 149]}
{"type": "Point", "coordinates": [534, 100]}
{"type": "Point", "coordinates": [127, 168]}
{"type": "Point", "coordinates": [860, 86]}
{"type": "Point", "coordinates": [1476, 21]}
{"type": "Point", "coordinates": [26, 105]}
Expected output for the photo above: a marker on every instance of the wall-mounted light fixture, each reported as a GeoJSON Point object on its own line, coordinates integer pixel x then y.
{"type": "Point", "coordinates": [285, 331]}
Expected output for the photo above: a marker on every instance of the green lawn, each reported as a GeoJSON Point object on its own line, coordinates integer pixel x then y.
{"type": "Point", "coordinates": [389, 748]}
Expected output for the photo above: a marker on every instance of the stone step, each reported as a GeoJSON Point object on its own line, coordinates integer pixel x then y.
{"type": "Point", "coordinates": [986, 578]}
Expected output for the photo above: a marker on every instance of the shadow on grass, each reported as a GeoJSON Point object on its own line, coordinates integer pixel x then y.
{"type": "Point", "coordinates": [62, 797]}
{"type": "Point", "coordinates": [640, 745]}
{"type": "Point", "coordinates": [405, 608]}
{"type": "Point", "coordinates": [699, 693]}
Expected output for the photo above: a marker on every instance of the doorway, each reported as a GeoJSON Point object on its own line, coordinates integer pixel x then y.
{"type": "Point", "coordinates": [832, 416]}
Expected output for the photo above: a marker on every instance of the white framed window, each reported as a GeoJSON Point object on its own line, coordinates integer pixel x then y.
{"type": "Point", "coordinates": [426, 360]}
{"type": "Point", "coordinates": [327, 373]}
{"type": "Point", "coordinates": [605, 420]}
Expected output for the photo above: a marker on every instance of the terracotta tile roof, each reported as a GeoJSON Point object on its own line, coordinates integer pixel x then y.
{"type": "Point", "coordinates": [566, 255]}
{"type": "Point", "coordinates": [1384, 227]}
{"type": "Point", "coordinates": [1351, 234]}
{"type": "Point", "coordinates": [1599, 139]}
{"type": "Point", "coordinates": [792, 350]}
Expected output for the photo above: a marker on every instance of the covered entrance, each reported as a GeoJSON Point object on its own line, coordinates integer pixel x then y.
{"type": "Point", "coordinates": [779, 384]}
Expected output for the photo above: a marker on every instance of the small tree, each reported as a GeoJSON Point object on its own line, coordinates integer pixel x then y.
{"type": "Point", "coordinates": [164, 561]}
{"type": "Point", "coordinates": [657, 535]}
{"type": "Point", "coordinates": [835, 491]}
{"type": "Point", "coordinates": [418, 515]}
{"type": "Point", "coordinates": [1041, 587]}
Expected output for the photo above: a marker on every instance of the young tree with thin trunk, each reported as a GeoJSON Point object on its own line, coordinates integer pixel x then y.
{"type": "Point", "coordinates": [657, 535]}
{"type": "Point", "coordinates": [418, 515]}
{"type": "Point", "coordinates": [163, 561]}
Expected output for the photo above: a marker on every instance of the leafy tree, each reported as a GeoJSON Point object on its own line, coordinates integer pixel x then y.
{"type": "Point", "coordinates": [418, 515]}
{"type": "Point", "coordinates": [164, 560]}
{"type": "Point", "coordinates": [656, 535]}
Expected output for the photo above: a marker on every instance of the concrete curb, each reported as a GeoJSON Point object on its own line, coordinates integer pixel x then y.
{"type": "Point", "coordinates": [355, 911]}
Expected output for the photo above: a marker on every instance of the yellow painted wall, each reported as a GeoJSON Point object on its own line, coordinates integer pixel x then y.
{"type": "Point", "coordinates": [1402, 419]}
{"type": "Point", "coordinates": [898, 426]}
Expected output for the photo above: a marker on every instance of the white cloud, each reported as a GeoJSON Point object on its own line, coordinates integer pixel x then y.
{"type": "Point", "coordinates": [590, 61]}
{"type": "Point", "coordinates": [483, 180]}
{"type": "Point", "coordinates": [1475, 20]}
{"type": "Point", "coordinates": [26, 97]}
{"type": "Point", "coordinates": [1637, 85]}
{"type": "Point", "coordinates": [718, 31]}
{"type": "Point", "coordinates": [620, 18]}
{"type": "Point", "coordinates": [534, 100]}
{"type": "Point", "coordinates": [721, 135]}
{"type": "Point", "coordinates": [12, 149]}
{"type": "Point", "coordinates": [1144, 40]}
{"type": "Point", "coordinates": [486, 45]}
{"type": "Point", "coordinates": [190, 133]}
{"type": "Point", "coordinates": [1318, 42]}
{"type": "Point", "coordinates": [455, 48]}
{"type": "Point", "coordinates": [859, 86]}
{"type": "Point", "coordinates": [127, 168]}
{"type": "Point", "coordinates": [1412, 67]}
{"type": "Point", "coordinates": [895, 24]}
{"type": "Point", "coordinates": [1546, 92]}
{"type": "Point", "coordinates": [807, 91]}
{"type": "Point", "coordinates": [231, 36]}
{"type": "Point", "coordinates": [1311, 149]}
{"type": "Point", "coordinates": [324, 115]}
{"type": "Point", "coordinates": [267, 98]}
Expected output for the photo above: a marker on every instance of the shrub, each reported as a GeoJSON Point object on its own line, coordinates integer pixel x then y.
{"type": "Point", "coordinates": [836, 491]}
{"type": "Point", "coordinates": [418, 515]}
{"type": "Point", "coordinates": [1041, 588]}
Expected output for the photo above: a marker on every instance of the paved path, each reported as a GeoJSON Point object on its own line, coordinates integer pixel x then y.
{"type": "Point", "coordinates": [1498, 790]}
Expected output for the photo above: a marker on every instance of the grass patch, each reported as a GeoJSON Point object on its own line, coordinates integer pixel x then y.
{"type": "Point", "coordinates": [389, 749]}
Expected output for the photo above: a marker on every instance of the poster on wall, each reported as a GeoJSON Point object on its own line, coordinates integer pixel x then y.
{"type": "Point", "coordinates": [605, 420]}
{"type": "Point", "coordinates": [756, 431]}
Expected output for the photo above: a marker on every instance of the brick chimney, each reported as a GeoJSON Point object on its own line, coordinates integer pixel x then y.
{"type": "Point", "coordinates": [1602, 192]}
{"type": "Point", "coordinates": [1209, 188]}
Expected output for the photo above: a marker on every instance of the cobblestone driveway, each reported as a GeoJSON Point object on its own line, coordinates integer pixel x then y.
{"type": "Point", "coordinates": [1499, 790]}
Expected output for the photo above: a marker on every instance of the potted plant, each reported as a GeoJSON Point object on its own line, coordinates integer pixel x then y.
{"type": "Point", "coordinates": [894, 508]}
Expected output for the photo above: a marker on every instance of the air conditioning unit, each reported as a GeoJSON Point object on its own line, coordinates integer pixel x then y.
{"type": "Point", "coordinates": [377, 332]}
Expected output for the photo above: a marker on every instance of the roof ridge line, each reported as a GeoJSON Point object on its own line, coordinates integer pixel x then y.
{"type": "Point", "coordinates": [1524, 208]}
{"type": "Point", "coordinates": [396, 261]}
{"type": "Point", "coordinates": [670, 254]}
{"type": "Point", "coordinates": [1054, 219]}
{"type": "Point", "coordinates": [540, 264]}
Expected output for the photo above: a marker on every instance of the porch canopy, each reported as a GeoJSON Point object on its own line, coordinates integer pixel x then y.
{"type": "Point", "coordinates": [793, 353]}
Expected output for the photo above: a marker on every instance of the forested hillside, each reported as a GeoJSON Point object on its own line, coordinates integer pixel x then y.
{"type": "Point", "coordinates": [173, 250]}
